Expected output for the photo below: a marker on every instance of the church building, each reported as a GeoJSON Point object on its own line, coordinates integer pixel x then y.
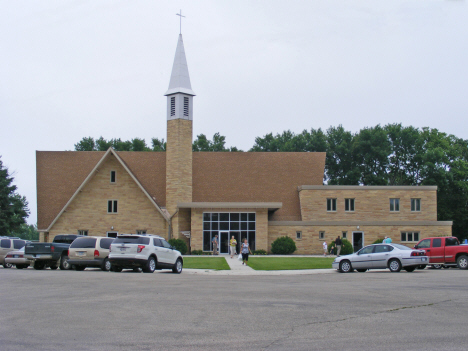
{"type": "Point", "coordinates": [196, 195]}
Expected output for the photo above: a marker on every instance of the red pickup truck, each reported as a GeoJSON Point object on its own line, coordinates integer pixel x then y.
{"type": "Point", "coordinates": [444, 251]}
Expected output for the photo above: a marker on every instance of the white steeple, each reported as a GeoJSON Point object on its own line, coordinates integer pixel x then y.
{"type": "Point", "coordinates": [180, 94]}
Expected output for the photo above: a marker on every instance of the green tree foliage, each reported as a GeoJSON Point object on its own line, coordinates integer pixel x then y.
{"type": "Point", "coordinates": [13, 207]}
{"type": "Point", "coordinates": [158, 145]}
{"type": "Point", "coordinates": [346, 247]}
{"type": "Point", "coordinates": [26, 232]}
{"type": "Point", "coordinates": [217, 144]}
{"type": "Point", "coordinates": [283, 246]}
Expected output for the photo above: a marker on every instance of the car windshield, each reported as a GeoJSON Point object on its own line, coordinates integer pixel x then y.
{"type": "Point", "coordinates": [402, 247]}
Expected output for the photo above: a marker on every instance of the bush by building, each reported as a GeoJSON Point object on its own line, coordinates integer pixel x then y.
{"type": "Point", "coordinates": [283, 246]}
{"type": "Point", "coordinates": [179, 244]}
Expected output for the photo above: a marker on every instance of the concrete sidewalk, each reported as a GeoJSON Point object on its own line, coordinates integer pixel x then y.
{"type": "Point", "coordinates": [238, 269]}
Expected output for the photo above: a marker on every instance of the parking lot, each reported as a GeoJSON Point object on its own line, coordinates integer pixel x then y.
{"type": "Point", "coordinates": [95, 310]}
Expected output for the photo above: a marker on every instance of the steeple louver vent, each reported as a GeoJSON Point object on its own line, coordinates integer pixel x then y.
{"type": "Point", "coordinates": [186, 106]}
{"type": "Point", "coordinates": [173, 106]}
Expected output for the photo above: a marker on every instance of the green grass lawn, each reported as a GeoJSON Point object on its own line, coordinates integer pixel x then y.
{"type": "Point", "coordinates": [282, 263]}
{"type": "Point", "coordinates": [218, 263]}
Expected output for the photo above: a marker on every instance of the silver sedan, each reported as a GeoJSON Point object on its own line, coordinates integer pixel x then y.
{"type": "Point", "coordinates": [381, 256]}
{"type": "Point", "coordinates": [17, 258]}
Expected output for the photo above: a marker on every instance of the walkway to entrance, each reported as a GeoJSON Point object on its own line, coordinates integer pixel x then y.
{"type": "Point", "coordinates": [235, 264]}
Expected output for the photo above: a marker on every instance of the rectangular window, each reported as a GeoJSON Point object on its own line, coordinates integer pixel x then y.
{"type": "Point", "coordinates": [321, 235]}
{"type": "Point", "coordinates": [415, 205]}
{"type": "Point", "coordinates": [349, 205]}
{"type": "Point", "coordinates": [82, 232]}
{"type": "Point", "coordinates": [409, 236]}
{"type": "Point", "coordinates": [141, 231]}
{"type": "Point", "coordinates": [437, 242]}
{"type": "Point", "coordinates": [331, 205]}
{"type": "Point", "coordinates": [112, 206]}
{"type": "Point", "coordinates": [298, 235]}
{"type": "Point", "coordinates": [173, 106]}
{"type": "Point", "coordinates": [394, 205]}
{"type": "Point", "coordinates": [112, 176]}
{"type": "Point", "coordinates": [186, 106]}
{"type": "Point", "coordinates": [344, 235]}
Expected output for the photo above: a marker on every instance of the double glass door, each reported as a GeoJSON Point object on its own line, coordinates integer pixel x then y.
{"type": "Point", "coordinates": [224, 241]}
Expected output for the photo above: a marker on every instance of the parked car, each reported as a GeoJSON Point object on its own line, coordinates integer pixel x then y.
{"type": "Point", "coordinates": [7, 245]}
{"type": "Point", "coordinates": [90, 251]}
{"type": "Point", "coordinates": [381, 256]}
{"type": "Point", "coordinates": [444, 252]}
{"type": "Point", "coordinates": [17, 258]}
{"type": "Point", "coordinates": [145, 251]}
{"type": "Point", "coordinates": [53, 255]}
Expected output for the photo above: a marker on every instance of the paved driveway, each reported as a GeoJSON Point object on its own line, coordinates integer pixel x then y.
{"type": "Point", "coordinates": [94, 310]}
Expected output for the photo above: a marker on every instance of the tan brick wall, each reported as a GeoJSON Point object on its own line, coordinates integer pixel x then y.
{"type": "Point", "coordinates": [88, 211]}
{"type": "Point", "coordinates": [369, 205]}
{"type": "Point", "coordinates": [311, 244]}
{"type": "Point", "coordinates": [178, 163]}
{"type": "Point", "coordinates": [261, 225]}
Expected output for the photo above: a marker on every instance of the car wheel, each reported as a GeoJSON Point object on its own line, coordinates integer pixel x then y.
{"type": "Point", "coordinates": [421, 266]}
{"type": "Point", "coordinates": [79, 268]}
{"type": "Point", "coordinates": [54, 267]}
{"type": "Point", "coordinates": [345, 266]}
{"type": "Point", "coordinates": [409, 269]}
{"type": "Point", "coordinates": [361, 270]}
{"type": "Point", "coordinates": [7, 265]}
{"type": "Point", "coordinates": [38, 265]}
{"type": "Point", "coordinates": [437, 266]}
{"type": "Point", "coordinates": [150, 265]}
{"type": "Point", "coordinates": [462, 262]}
{"type": "Point", "coordinates": [64, 265]}
{"type": "Point", "coordinates": [106, 265]}
{"type": "Point", "coordinates": [394, 265]}
{"type": "Point", "coordinates": [177, 267]}
{"type": "Point", "coordinates": [116, 269]}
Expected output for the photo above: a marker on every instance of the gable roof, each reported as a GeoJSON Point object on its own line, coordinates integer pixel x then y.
{"type": "Point", "coordinates": [217, 177]}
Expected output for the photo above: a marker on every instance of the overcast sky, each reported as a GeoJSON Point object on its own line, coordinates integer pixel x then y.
{"type": "Point", "coordinates": [73, 69]}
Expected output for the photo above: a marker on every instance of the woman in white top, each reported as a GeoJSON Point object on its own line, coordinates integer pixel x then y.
{"type": "Point", "coordinates": [325, 248]}
{"type": "Point", "coordinates": [245, 249]}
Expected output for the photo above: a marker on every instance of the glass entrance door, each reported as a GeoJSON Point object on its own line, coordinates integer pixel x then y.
{"type": "Point", "coordinates": [223, 242]}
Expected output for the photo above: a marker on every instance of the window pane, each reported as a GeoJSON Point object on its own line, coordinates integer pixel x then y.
{"type": "Point", "coordinates": [215, 217]}
{"type": "Point", "coordinates": [214, 225]}
{"type": "Point", "coordinates": [206, 241]}
{"type": "Point", "coordinates": [206, 217]}
{"type": "Point", "coordinates": [328, 204]}
{"type": "Point", "coordinates": [105, 243]}
{"type": "Point", "coordinates": [234, 225]}
{"type": "Point", "coordinates": [243, 216]}
{"type": "Point", "coordinates": [416, 237]}
{"type": "Point", "coordinates": [112, 177]}
{"type": "Point", "coordinates": [397, 204]}
{"type": "Point", "coordinates": [251, 225]}
{"type": "Point", "coordinates": [18, 244]}
{"type": "Point", "coordinates": [346, 205]}
{"type": "Point", "coordinates": [410, 236]}
{"type": "Point", "coordinates": [351, 205]}
{"type": "Point", "coordinates": [224, 217]}
{"type": "Point", "coordinates": [109, 206]}
{"type": "Point", "coordinates": [403, 236]}
{"type": "Point", "coordinates": [234, 217]}
{"type": "Point", "coordinates": [206, 226]}
{"type": "Point", "coordinates": [413, 207]}
{"type": "Point", "coordinates": [334, 204]}
{"type": "Point", "coordinates": [5, 243]}
{"type": "Point", "coordinates": [436, 242]}
{"type": "Point", "coordinates": [252, 240]}
{"type": "Point", "coordinates": [251, 216]}
{"type": "Point", "coordinates": [244, 225]}
{"type": "Point", "coordinates": [418, 205]}
{"type": "Point", "coordinates": [223, 225]}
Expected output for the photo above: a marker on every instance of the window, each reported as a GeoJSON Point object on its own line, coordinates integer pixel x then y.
{"type": "Point", "coordinates": [331, 205]}
{"type": "Point", "coordinates": [6, 243]}
{"type": "Point", "coordinates": [344, 235]}
{"type": "Point", "coordinates": [366, 250]}
{"type": "Point", "coordinates": [18, 244]}
{"type": "Point", "coordinates": [415, 205]}
{"type": "Point", "coordinates": [425, 244]}
{"type": "Point", "coordinates": [451, 242]}
{"type": "Point", "coordinates": [186, 106]}
{"type": "Point", "coordinates": [321, 235]}
{"type": "Point", "coordinates": [112, 176]}
{"type": "Point", "coordinates": [394, 205]}
{"type": "Point", "coordinates": [349, 205]}
{"type": "Point", "coordinates": [83, 243]}
{"type": "Point", "coordinates": [436, 242]}
{"type": "Point", "coordinates": [112, 206]}
{"type": "Point", "coordinates": [173, 106]}
{"type": "Point", "coordinates": [105, 243]}
{"type": "Point", "coordinates": [82, 232]}
{"type": "Point", "coordinates": [383, 248]}
{"type": "Point", "coordinates": [409, 236]}
{"type": "Point", "coordinates": [140, 231]}
{"type": "Point", "coordinates": [298, 235]}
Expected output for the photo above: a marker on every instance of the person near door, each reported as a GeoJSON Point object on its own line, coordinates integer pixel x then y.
{"type": "Point", "coordinates": [245, 250]}
{"type": "Point", "coordinates": [215, 244]}
{"type": "Point", "coordinates": [232, 245]}
{"type": "Point", "coordinates": [338, 244]}
{"type": "Point", "coordinates": [325, 248]}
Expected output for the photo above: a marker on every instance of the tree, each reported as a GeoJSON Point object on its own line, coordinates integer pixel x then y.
{"type": "Point", "coordinates": [26, 232]}
{"type": "Point", "coordinates": [86, 144]}
{"type": "Point", "coordinates": [13, 207]}
{"type": "Point", "coordinates": [158, 145]}
{"type": "Point", "coordinates": [203, 144]}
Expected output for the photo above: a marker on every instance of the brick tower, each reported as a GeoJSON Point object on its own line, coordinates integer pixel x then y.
{"type": "Point", "coordinates": [179, 142]}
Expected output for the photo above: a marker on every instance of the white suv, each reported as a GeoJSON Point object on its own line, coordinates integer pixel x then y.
{"type": "Point", "coordinates": [145, 251]}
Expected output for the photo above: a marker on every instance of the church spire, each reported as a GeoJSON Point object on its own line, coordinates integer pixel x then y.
{"type": "Point", "coordinates": [180, 79]}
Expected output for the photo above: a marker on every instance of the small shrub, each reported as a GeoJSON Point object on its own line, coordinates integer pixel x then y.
{"type": "Point", "coordinates": [283, 246]}
{"type": "Point", "coordinates": [179, 244]}
{"type": "Point", "coordinates": [378, 241]}
{"type": "Point", "coordinates": [200, 252]}
{"type": "Point", "coordinates": [346, 247]}
{"type": "Point", "coordinates": [259, 252]}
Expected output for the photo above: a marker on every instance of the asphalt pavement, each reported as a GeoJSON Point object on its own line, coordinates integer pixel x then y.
{"type": "Point", "coordinates": [95, 310]}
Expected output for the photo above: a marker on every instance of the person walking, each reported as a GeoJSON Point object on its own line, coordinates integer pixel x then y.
{"type": "Point", "coordinates": [245, 250]}
{"type": "Point", "coordinates": [325, 248]}
{"type": "Point", "coordinates": [338, 244]}
{"type": "Point", "coordinates": [215, 244]}
{"type": "Point", "coordinates": [232, 245]}
{"type": "Point", "coordinates": [384, 240]}
{"type": "Point", "coordinates": [389, 240]}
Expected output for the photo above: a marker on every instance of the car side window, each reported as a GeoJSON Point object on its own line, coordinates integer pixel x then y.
{"type": "Point", "coordinates": [451, 242]}
{"type": "Point", "coordinates": [18, 244]}
{"type": "Point", "coordinates": [105, 243]}
{"type": "Point", "coordinates": [436, 242]}
{"type": "Point", "coordinates": [157, 242]}
{"type": "Point", "coordinates": [366, 250]}
{"type": "Point", "coordinates": [166, 244]}
{"type": "Point", "coordinates": [425, 244]}
{"type": "Point", "coordinates": [383, 248]}
{"type": "Point", "coordinates": [5, 243]}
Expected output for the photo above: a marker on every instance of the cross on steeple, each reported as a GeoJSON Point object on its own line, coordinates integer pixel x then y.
{"type": "Point", "coordinates": [180, 15]}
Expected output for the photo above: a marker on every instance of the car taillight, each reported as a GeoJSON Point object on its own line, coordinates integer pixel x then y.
{"type": "Point", "coordinates": [140, 247]}
{"type": "Point", "coordinates": [9, 255]}
{"type": "Point", "coordinates": [96, 253]}
{"type": "Point", "coordinates": [68, 253]}
{"type": "Point", "coordinates": [417, 253]}
{"type": "Point", "coordinates": [52, 248]}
